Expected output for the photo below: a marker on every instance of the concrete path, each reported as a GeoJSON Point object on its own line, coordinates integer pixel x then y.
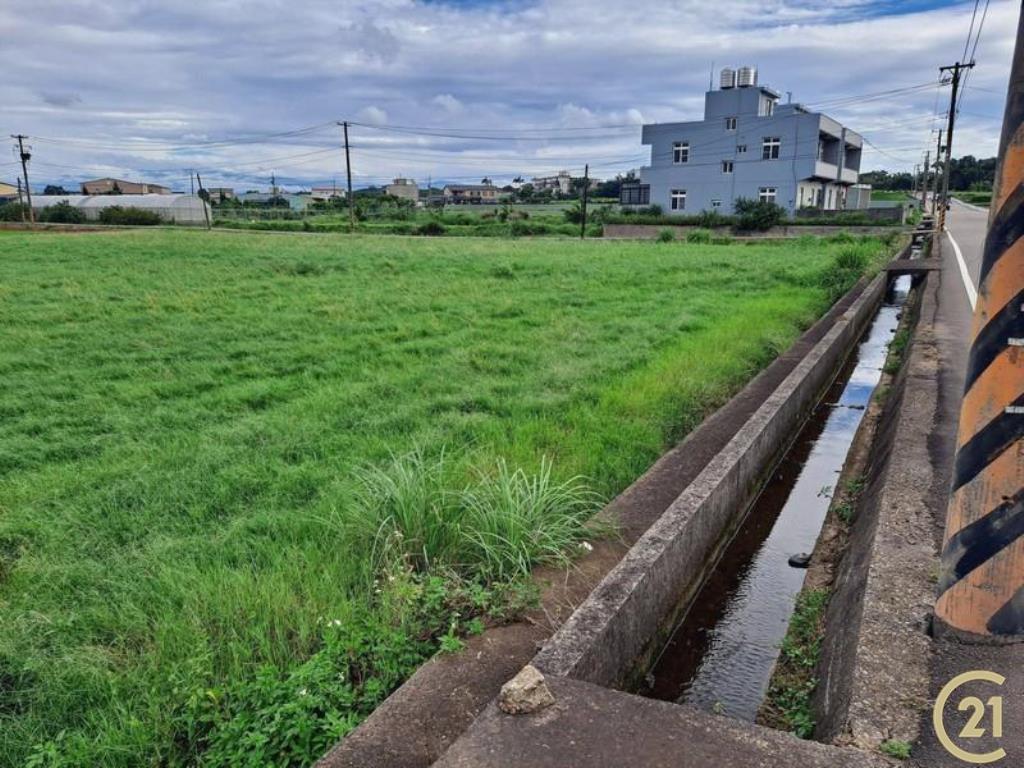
{"type": "Point", "coordinates": [962, 255]}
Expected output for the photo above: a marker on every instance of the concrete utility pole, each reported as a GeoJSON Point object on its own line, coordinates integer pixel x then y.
{"type": "Point", "coordinates": [21, 203]}
{"type": "Point", "coordinates": [950, 120]}
{"type": "Point", "coordinates": [924, 181]}
{"type": "Point", "coordinates": [938, 164]}
{"type": "Point", "coordinates": [348, 173]}
{"type": "Point", "coordinates": [981, 580]}
{"type": "Point", "coordinates": [206, 210]}
{"type": "Point", "coordinates": [25, 157]}
{"type": "Point", "coordinates": [583, 207]}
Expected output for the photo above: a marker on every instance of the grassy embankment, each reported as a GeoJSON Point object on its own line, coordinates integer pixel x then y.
{"type": "Point", "coordinates": [206, 554]}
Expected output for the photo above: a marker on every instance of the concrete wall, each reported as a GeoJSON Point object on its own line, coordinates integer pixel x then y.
{"type": "Point", "coordinates": [651, 231]}
{"type": "Point", "coordinates": [615, 627]}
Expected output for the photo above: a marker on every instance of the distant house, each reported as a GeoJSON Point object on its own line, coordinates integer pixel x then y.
{"type": "Point", "coordinates": [323, 194]}
{"type": "Point", "coordinates": [8, 191]}
{"type": "Point", "coordinates": [560, 183]}
{"type": "Point", "coordinates": [472, 194]}
{"type": "Point", "coordinates": [404, 189]}
{"type": "Point", "coordinates": [109, 186]}
{"type": "Point", "coordinates": [220, 194]}
{"type": "Point", "coordinates": [748, 145]}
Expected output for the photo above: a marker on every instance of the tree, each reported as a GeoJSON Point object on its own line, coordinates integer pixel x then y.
{"type": "Point", "coordinates": [486, 180]}
{"type": "Point", "coordinates": [53, 189]}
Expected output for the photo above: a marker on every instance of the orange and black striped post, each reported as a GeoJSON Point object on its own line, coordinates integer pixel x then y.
{"type": "Point", "coordinates": [981, 582]}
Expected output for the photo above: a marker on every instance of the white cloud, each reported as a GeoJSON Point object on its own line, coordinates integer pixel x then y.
{"type": "Point", "coordinates": [373, 115]}
{"type": "Point", "coordinates": [448, 103]}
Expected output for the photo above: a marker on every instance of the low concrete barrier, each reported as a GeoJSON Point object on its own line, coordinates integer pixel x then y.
{"type": "Point", "coordinates": [651, 231]}
{"type": "Point", "coordinates": [606, 637]}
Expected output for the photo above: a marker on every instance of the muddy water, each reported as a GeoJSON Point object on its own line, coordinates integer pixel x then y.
{"type": "Point", "coordinates": [721, 655]}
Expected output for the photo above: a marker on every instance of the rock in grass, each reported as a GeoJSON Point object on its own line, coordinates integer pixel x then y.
{"type": "Point", "coordinates": [801, 560]}
{"type": "Point", "coordinates": [525, 693]}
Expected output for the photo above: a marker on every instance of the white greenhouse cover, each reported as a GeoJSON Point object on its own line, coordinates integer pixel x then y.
{"type": "Point", "coordinates": [181, 209]}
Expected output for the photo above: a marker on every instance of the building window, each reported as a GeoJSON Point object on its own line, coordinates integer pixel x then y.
{"type": "Point", "coordinates": [770, 148]}
{"type": "Point", "coordinates": [681, 152]}
{"type": "Point", "coordinates": [727, 166]}
{"type": "Point", "coordinates": [766, 194]}
{"type": "Point", "coordinates": [634, 193]}
{"type": "Point", "coordinates": [716, 203]}
{"type": "Point", "coordinates": [730, 123]}
{"type": "Point", "coordinates": [678, 198]}
{"type": "Point", "coordinates": [741, 148]}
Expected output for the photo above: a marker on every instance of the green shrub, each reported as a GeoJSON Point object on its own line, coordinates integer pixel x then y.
{"type": "Point", "coordinates": [847, 267]}
{"type": "Point", "coordinates": [14, 211]}
{"type": "Point", "coordinates": [115, 214]}
{"type": "Point", "coordinates": [62, 213]}
{"type": "Point", "coordinates": [757, 215]}
{"type": "Point", "coordinates": [432, 228]}
{"type": "Point", "coordinates": [666, 236]}
{"type": "Point", "coordinates": [698, 236]}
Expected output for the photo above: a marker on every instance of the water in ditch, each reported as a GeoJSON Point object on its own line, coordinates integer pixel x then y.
{"type": "Point", "coordinates": [722, 653]}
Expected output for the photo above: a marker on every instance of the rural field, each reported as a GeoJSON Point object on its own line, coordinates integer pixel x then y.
{"type": "Point", "coordinates": [248, 482]}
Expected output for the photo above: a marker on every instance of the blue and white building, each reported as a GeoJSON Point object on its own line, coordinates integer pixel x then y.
{"type": "Point", "coordinates": [748, 145]}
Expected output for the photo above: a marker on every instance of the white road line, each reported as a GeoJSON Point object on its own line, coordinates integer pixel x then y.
{"type": "Point", "coordinates": [972, 293]}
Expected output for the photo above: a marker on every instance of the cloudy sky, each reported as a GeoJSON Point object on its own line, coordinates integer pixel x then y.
{"type": "Point", "coordinates": [459, 89]}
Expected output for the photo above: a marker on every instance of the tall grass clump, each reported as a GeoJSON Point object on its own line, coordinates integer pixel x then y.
{"type": "Point", "coordinates": [848, 265]}
{"type": "Point", "coordinates": [421, 513]}
{"type": "Point", "coordinates": [514, 520]}
{"type": "Point", "coordinates": [698, 236]}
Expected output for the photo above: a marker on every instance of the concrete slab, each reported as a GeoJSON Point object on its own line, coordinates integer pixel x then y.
{"type": "Point", "coordinates": [600, 728]}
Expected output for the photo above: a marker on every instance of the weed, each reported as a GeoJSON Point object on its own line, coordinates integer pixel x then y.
{"type": "Point", "coordinates": [789, 698]}
{"type": "Point", "coordinates": [896, 748]}
{"type": "Point", "coordinates": [666, 236]}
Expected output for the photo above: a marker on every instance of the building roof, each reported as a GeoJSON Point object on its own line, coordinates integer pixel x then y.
{"type": "Point", "coordinates": [471, 187]}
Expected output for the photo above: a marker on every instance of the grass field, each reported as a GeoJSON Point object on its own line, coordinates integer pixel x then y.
{"type": "Point", "coordinates": [188, 422]}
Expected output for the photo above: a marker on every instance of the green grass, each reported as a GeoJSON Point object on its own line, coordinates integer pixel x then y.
{"type": "Point", "coordinates": [896, 748]}
{"type": "Point", "coordinates": [889, 194]}
{"type": "Point", "coordinates": [198, 430]}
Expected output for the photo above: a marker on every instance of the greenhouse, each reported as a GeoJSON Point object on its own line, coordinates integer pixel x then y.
{"type": "Point", "coordinates": [173, 209]}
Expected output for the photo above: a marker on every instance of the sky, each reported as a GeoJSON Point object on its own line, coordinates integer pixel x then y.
{"type": "Point", "coordinates": [456, 90]}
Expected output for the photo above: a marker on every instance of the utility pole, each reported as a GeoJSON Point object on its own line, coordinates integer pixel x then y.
{"type": "Point", "coordinates": [348, 174]}
{"type": "Point", "coordinates": [938, 167]}
{"type": "Point", "coordinates": [981, 576]}
{"type": "Point", "coordinates": [21, 204]}
{"type": "Point", "coordinates": [206, 209]}
{"type": "Point", "coordinates": [924, 181]}
{"type": "Point", "coordinates": [583, 208]}
{"type": "Point", "coordinates": [917, 178]}
{"type": "Point", "coordinates": [955, 69]}
{"type": "Point", "coordinates": [25, 157]}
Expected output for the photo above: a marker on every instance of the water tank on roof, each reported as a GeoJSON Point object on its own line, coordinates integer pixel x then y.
{"type": "Point", "coordinates": [728, 78]}
{"type": "Point", "coordinates": [746, 77]}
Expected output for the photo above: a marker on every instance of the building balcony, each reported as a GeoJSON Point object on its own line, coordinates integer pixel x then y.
{"type": "Point", "coordinates": [830, 172]}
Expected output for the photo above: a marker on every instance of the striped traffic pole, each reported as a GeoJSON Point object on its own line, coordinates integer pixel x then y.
{"type": "Point", "coordinates": [981, 580]}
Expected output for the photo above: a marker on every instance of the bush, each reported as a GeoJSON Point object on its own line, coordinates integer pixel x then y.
{"type": "Point", "coordinates": [757, 215]}
{"type": "Point", "coordinates": [13, 211]}
{"type": "Point", "coordinates": [698, 236]}
{"type": "Point", "coordinates": [62, 213]}
{"type": "Point", "coordinates": [432, 228]}
{"type": "Point", "coordinates": [846, 269]}
{"type": "Point", "coordinates": [115, 214]}
{"type": "Point", "coordinates": [666, 236]}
